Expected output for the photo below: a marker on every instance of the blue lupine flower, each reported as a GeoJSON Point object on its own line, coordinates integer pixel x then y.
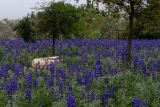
{"type": "Point", "coordinates": [98, 70]}
{"type": "Point", "coordinates": [79, 79]}
{"type": "Point", "coordinates": [60, 86]}
{"type": "Point", "coordinates": [136, 102]}
{"type": "Point", "coordinates": [50, 82]}
{"type": "Point", "coordinates": [60, 73]}
{"type": "Point", "coordinates": [28, 93]}
{"type": "Point", "coordinates": [141, 63]}
{"type": "Point", "coordinates": [106, 79]}
{"type": "Point", "coordinates": [35, 83]}
{"type": "Point", "coordinates": [98, 61]}
{"type": "Point", "coordinates": [9, 89]}
{"type": "Point", "coordinates": [159, 70]}
{"type": "Point", "coordinates": [92, 96]}
{"type": "Point", "coordinates": [104, 97]}
{"type": "Point", "coordinates": [5, 72]}
{"type": "Point", "coordinates": [14, 84]}
{"type": "Point", "coordinates": [1, 73]}
{"type": "Point", "coordinates": [28, 79]}
{"type": "Point", "coordinates": [13, 67]}
{"type": "Point", "coordinates": [87, 80]}
{"type": "Point", "coordinates": [145, 70]}
{"type": "Point", "coordinates": [84, 58]}
{"type": "Point", "coordinates": [153, 73]}
{"type": "Point", "coordinates": [17, 71]}
{"type": "Point", "coordinates": [71, 101]}
{"type": "Point", "coordinates": [72, 70]}
{"type": "Point", "coordinates": [135, 61]}
{"type": "Point", "coordinates": [108, 54]}
{"type": "Point", "coordinates": [83, 95]}
{"type": "Point", "coordinates": [70, 88]}
{"type": "Point", "coordinates": [111, 91]}
{"type": "Point", "coordinates": [144, 103]}
{"type": "Point", "coordinates": [51, 69]}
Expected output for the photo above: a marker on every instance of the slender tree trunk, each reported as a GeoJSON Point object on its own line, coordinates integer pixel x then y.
{"type": "Point", "coordinates": [53, 44]}
{"type": "Point", "coordinates": [131, 33]}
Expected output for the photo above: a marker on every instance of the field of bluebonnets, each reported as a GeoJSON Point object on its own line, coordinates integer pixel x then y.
{"type": "Point", "coordinates": [91, 74]}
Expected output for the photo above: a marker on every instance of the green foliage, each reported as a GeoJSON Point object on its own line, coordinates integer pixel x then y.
{"type": "Point", "coordinates": [147, 23]}
{"type": "Point", "coordinates": [135, 85]}
{"type": "Point", "coordinates": [1, 53]}
{"type": "Point", "coordinates": [24, 29]}
{"type": "Point", "coordinates": [57, 19]}
{"type": "Point", "coordinates": [114, 28]}
{"type": "Point", "coordinates": [3, 98]}
{"type": "Point", "coordinates": [90, 22]}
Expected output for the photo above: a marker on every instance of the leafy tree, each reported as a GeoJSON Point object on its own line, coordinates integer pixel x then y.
{"type": "Point", "coordinates": [90, 22]}
{"type": "Point", "coordinates": [57, 19]}
{"type": "Point", "coordinates": [147, 23]}
{"type": "Point", "coordinates": [24, 29]}
{"type": "Point", "coordinates": [128, 7]}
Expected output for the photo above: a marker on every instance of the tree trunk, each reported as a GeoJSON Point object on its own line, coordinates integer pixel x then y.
{"type": "Point", "coordinates": [53, 44]}
{"type": "Point", "coordinates": [131, 33]}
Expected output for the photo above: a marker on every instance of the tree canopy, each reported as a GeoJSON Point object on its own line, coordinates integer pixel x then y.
{"type": "Point", "coordinates": [56, 19]}
{"type": "Point", "coordinates": [147, 21]}
{"type": "Point", "coordinates": [24, 29]}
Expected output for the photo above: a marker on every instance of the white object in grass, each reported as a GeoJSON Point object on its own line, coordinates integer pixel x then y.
{"type": "Point", "coordinates": [44, 62]}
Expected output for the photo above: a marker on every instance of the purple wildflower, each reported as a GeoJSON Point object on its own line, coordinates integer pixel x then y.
{"type": "Point", "coordinates": [136, 102]}
{"type": "Point", "coordinates": [50, 82]}
{"type": "Point", "coordinates": [111, 91]}
{"type": "Point", "coordinates": [60, 86]}
{"type": "Point", "coordinates": [11, 87]}
{"type": "Point", "coordinates": [28, 93]}
{"type": "Point", "coordinates": [159, 70]}
{"type": "Point", "coordinates": [98, 70]}
{"type": "Point", "coordinates": [88, 80]}
{"type": "Point", "coordinates": [83, 95]}
{"type": "Point", "coordinates": [51, 67]}
{"type": "Point", "coordinates": [70, 88]}
{"type": "Point", "coordinates": [71, 101]}
{"type": "Point", "coordinates": [104, 97]}
{"type": "Point", "coordinates": [35, 83]}
{"type": "Point", "coordinates": [72, 70]}
{"type": "Point", "coordinates": [153, 73]}
{"type": "Point", "coordinates": [79, 79]}
{"type": "Point", "coordinates": [28, 79]}
{"type": "Point", "coordinates": [144, 103]}
{"type": "Point", "coordinates": [60, 73]}
{"type": "Point", "coordinates": [106, 79]}
{"type": "Point", "coordinates": [92, 96]}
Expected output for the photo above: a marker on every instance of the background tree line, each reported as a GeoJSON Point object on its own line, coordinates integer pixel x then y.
{"type": "Point", "coordinates": [86, 21]}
